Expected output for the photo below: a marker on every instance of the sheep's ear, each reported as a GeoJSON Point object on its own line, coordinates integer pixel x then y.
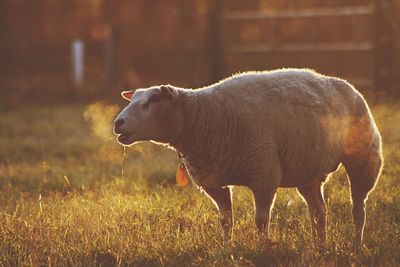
{"type": "Point", "coordinates": [168, 91]}
{"type": "Point", "coordinates": [164, 92]}
{"type": "Point", "coordinates": [127, 95]}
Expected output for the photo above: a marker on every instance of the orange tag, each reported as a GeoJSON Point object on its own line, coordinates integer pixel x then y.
{"type": "Point", "coordinates": [181, 176]}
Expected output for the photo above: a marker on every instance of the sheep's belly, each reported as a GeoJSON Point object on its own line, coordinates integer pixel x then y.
{"type": "Point", "coordinates": [308, 175]}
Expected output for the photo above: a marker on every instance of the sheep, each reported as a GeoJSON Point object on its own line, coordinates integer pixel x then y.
{"type": "Point", "coordinates": [264, 130]}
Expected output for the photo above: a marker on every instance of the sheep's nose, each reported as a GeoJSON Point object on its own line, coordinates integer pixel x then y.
{"type": "Point", "coordinates": [117, 126]}
{"type": "Point", "coordinates": [119, 122]}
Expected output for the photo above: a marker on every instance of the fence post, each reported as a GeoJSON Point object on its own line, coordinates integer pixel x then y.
{"type": "Point", "coordinates": [77, 60]}
{"type": "Point", "coordinates": [215, 40]}
{"type": "Point", "coordinates": [110, 57]}
{"type": "Point", "coordinates": [383, 49]}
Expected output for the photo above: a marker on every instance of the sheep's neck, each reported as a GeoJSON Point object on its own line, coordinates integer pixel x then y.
{"type": "Point", "coordinates": [207, 138]}
{"type": "Point", "coordinates": [194, 120]}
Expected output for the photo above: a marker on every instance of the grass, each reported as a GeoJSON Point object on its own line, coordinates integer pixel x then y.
{"type": "Point", "coordinates": [69, 195]}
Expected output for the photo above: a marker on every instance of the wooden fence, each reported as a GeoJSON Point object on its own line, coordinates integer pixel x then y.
{"type": "Point", "coordinates": [354, 42]}
{"type": "Point", "coordinates": [138, 43]}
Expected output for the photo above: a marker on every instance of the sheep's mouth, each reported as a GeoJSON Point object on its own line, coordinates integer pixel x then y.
{"type": "Point", "coordinates": [126, 138]}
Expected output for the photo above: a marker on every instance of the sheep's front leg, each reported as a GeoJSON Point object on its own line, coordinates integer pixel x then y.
{"type": "Point", "coordinates": [264, 200]}
{"type": "Point", "coordinates": [223, 201]}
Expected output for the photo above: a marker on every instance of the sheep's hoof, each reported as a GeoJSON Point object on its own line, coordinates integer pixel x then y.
{"type": "Point", "coordinates": [262, 237]}
{"type": "Point", "coordinates": [356, 250]}
{"type": "Point", "coordinates": [225, 240]}
{"type": "Point", "coordinates": [271, 243]}
{"type": "Point", "coordinates": [319, 248]}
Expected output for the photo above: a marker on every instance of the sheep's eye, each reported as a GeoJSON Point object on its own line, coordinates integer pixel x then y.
{"type": "Point", "coordinates": [145, 105]}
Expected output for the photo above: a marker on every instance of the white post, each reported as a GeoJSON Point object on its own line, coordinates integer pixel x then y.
{"type": "Point", "coordinates": [78, 63]}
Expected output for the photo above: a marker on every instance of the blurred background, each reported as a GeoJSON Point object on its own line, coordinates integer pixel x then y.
{"type": "Point", "coordinates": [65, 62]}
{"type": "Point", "coordinates": [71, 195]}
{"type": "Point", "coordinates": [69, 50]}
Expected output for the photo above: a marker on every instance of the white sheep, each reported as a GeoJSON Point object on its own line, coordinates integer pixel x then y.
{"type": "Point", "coordinates": [264, 130]}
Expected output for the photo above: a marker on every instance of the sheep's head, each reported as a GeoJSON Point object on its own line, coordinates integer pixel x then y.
{"type": "Point", "coordinates": [152, 114]}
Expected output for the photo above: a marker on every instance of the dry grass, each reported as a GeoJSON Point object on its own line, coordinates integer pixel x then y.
{"type": "Point", "coordinates": [65, 201]}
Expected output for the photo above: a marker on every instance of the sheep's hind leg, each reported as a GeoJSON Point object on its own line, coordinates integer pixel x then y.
{"type": "Point", "coordinates": [223, 201]}
{"type": "Point", "coordinates": [264, 190]}
{"type": "Point", "coordinates": [363, 174]}
{"type": "Point", "coordinates": [313, 196]}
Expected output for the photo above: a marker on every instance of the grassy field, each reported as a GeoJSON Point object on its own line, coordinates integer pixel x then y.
{"type": "Point", "coordinates": [69, 195]}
